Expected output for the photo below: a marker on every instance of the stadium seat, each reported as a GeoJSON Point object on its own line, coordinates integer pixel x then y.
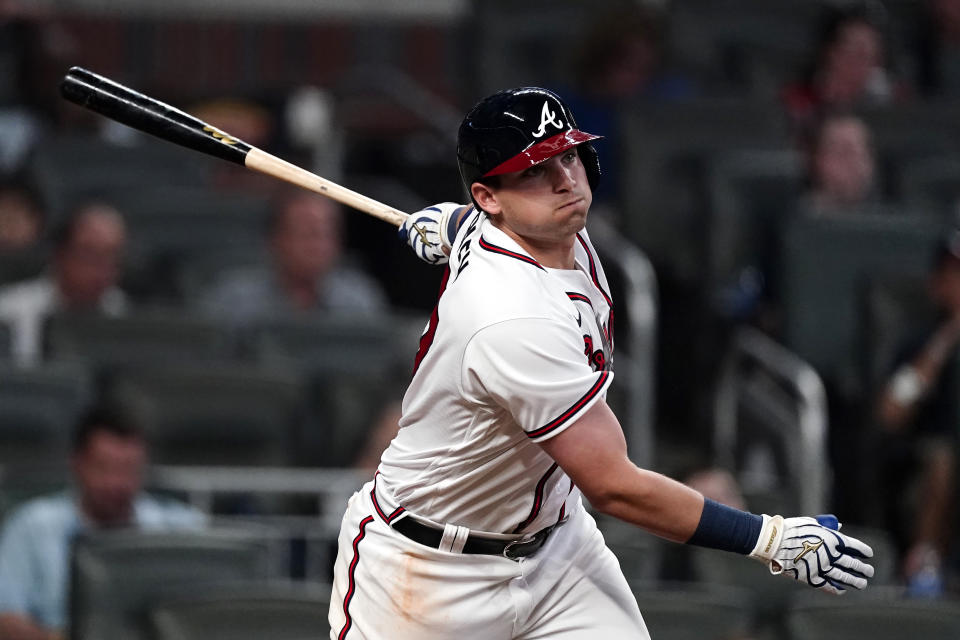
{"type": "Point", "coordinates": [825, 261]}
{"type": "Point", "coordinates": [516, 42]}
{"type": "Point", "coordinates": [252, 612]}
{"type": "Point", "coordinates": [197, 272]}
{"type": "Point", "coordinates": [638, 552]}
{"type": "Point", "coordinates": [317, 343]}
{"type": "Point", "coordinates": [931, 184]}
{"type": "Point", "coordinates": [73, 167]}
{"type": "Point", "coordinates": [907, 131]}
{"type": "Point", "coordinates": [747, 47]}
{"type": "Point", "coordinates": [873, 617]}
{"type": "Point", "coordinates": [116, 577]}
{"type": "Point", "coordinates": [143, 337]}
{"type": "Point", "coordinates": [680, 611]}
{"type": "Point", "coordinates": [770, 594]}
{"type": "Point", "coordinates": [38, 408]}
{"type": "Point", "coordinates": [168, 221]}
{"type": "Point", "coordinates": [214, 413]}
{"type": "Point", "coordinates": [667, 187]}
{"type": "Point", "coordinates": [4, 341]}
{"type": "Point", "coordinates": [750, 191]}
{"type": "Point", "coordinates": [354, 367]}
{"type": "Point", "coordinates": [22, 264]}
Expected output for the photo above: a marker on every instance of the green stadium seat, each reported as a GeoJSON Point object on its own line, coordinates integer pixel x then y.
{"type": "Point", "coordinates": [142, 337]}
{"type": "Point", "coordinates": [681, 611]}
{"type": "Point", "coordinates": [116, 577]}
{"type": "Point", "coordinates": [287, 611]}
{"type": "Point", "coordinates": [216, 413]}
{"type": "Point", "coordinates": [38, 408]}
{"type": "Point", "coordinates": [825, 261]}
{"type": "Point", "coordinates": [873, 617]}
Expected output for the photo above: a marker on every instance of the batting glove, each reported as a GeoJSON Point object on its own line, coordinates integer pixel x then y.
{"type": "Point", "coordinates": [429, 233]}
{"type": "Point", "coordinates": [812, 550]}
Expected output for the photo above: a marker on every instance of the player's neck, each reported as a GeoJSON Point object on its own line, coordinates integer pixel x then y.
{"type": "Point", "coordinates": [549, 253]}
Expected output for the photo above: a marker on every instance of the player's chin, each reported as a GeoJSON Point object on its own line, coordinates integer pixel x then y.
{"type": "Point", "coordinates": [574, 215]}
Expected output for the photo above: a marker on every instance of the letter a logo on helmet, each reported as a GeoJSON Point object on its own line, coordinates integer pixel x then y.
{"type": "Point", "coordinates": [547, 117]}
{"type": "Point", "coordinates": [519, 128]}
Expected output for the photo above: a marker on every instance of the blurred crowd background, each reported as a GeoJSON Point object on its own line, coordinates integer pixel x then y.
{"type": "Point", "coordinates": [777, 211]}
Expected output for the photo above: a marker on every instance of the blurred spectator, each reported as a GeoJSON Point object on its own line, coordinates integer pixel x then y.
{"type": "Point", "coordinates": [34, 51]}
{"type": "Point", "coordinates": [621, 59]}
{"type": "Point", "coordinates": [841, 170]}
{"type": "Point", "coordinates": [841, 166]}
{"type": "Point", "coordinates": [918, 412]}
{"type": "Point", "coordinates": [938, 49]}
{"type": "Point", "coordinates": [308, 273]}
{"type": "Point", "coordinates": [84, 276]}
{"type": "Point", "coordinates": [717, 484]}
{"type": "Point", "coordinates": [21, 216]}
{"type": "Point", "coordinates": [107, 464]}
{"type": "Point", "coordinates": [850, 67]}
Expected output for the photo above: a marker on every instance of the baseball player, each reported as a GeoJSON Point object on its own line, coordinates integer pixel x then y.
{"type": "Point", "coordinates": [474, 525]}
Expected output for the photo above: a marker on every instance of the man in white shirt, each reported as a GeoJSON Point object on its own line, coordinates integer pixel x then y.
{"type": "Point", "coordinates": [307, 273]}
{"type": "Point", "coordinates": [108, 462]}
{"type": "Point", "coordinates": [473, 526]}
{"type": "Point", "coordinates": [84, 275]}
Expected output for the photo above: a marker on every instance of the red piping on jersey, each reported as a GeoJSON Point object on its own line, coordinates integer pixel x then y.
{"type": "Point", "coordinates": [510, 254]}
{"type": "Point", "coordinates": [376, 505]}
{"type": "Point", "coordinates": [352, 577]}
{"type": "Point", "coordinates": [563, 507]}
{"type": "Point", "coordinates": [537, 499]}
{"type": "Point", "coordinates": [566, 415]}
{"type": "Point", "coordinates": [573, 295]}
{"type": "Point", "coordinates": [596, 281]}
{"type": "Point", "coordinates": [427, 338]}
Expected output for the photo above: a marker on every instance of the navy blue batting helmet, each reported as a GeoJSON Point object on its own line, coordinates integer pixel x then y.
{"type": "Point", "coordinates": [519, 128]}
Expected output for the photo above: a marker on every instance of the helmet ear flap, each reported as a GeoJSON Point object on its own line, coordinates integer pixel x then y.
{"type": "Point", "coordinates": [591, 163]}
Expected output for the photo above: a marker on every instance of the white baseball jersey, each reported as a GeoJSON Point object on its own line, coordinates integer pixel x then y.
{"type": "Point", "coordinates": [513, 354]}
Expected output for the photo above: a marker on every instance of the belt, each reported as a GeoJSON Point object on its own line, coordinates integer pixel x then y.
{"type": "Point", "coordinates": [512, 549]}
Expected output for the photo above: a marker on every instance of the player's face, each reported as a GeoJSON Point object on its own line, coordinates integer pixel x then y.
{"type": "Point", "coordinates": [543, 205]}
{"type": "Point", "coordinates": [109, 474]}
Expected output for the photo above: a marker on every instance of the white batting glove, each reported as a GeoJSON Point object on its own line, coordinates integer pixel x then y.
{"type": "Point", "coordinates": [428, 231]}
{"type": "Point", "coordinates": [812, 550]}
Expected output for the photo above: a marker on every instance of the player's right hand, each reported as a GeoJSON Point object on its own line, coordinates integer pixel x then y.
{"type": "Point", "coordinates": [429, 233]}
{"type": "Point", "coordinates": [813, 550]}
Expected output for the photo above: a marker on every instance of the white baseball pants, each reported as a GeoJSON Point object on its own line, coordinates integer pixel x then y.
{"type": "Point", "coordinates": [388, 587]}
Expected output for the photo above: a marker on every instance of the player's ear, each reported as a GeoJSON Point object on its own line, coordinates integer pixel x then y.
{"type": "Point", "coordinates": [485, 197]}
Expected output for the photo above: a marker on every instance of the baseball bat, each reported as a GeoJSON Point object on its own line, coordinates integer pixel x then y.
{"type": "Point", "coordinates": [134, 109]}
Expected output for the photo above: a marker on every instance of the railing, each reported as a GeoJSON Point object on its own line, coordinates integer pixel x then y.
{"type": "Point", "coordinates": [200, 485]}
{"type": "Point", "coordinates": [796, 414]}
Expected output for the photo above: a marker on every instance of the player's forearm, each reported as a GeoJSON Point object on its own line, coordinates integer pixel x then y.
{"type": "Point", "coordinates": [17, 627]}
{"type": "Point", "coordinates": [653, 502]}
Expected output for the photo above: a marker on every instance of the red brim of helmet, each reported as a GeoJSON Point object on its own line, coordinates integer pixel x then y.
{"type": "Point", "coordinates": [537, 153]}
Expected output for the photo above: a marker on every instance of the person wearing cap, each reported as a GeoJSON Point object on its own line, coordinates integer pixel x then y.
{"type": "Point", "coordinates": [474, 525]}
{"type": "Point", "coordinates": [919, 413]}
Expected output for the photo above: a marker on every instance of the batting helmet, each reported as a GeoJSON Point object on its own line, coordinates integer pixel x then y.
{"type": "Point", "coordinates": [519, 128]}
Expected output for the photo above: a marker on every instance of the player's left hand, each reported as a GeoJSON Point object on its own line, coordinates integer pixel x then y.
{"type": "Point", "coordinates": [813, 550]}
{"type": "Point", "coordinates": [423, 232]}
